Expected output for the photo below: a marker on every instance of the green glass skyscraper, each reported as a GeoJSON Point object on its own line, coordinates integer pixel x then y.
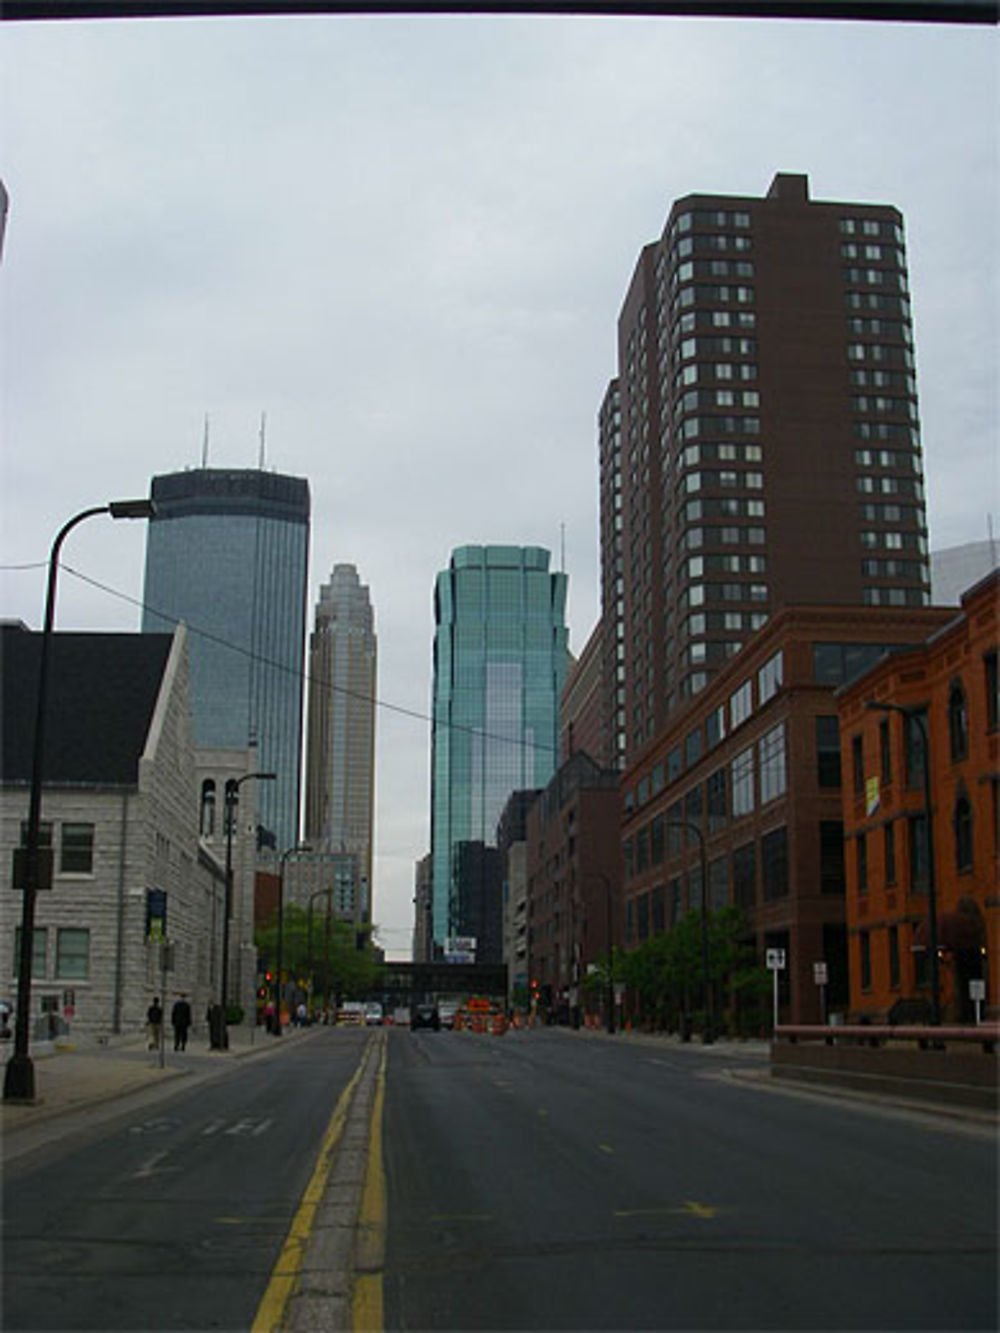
{"type": "Point", "coordinates": [500, 660]}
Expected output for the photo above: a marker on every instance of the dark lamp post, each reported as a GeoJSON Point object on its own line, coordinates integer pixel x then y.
{"type": "Point", "coordinates": [19, 1079]}
{"type": "Point", "coordinates": [708, 1032]}
{"type": "Point", "coordinates": [918, 716]}
{"type": "Point", "coordinates": [300, 847]}
{"type": "Point", "coordinates": [218, 1026]}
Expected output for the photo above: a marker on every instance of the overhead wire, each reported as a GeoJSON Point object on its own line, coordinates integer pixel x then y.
{"type": "Point", "coordinates": [305, 675]}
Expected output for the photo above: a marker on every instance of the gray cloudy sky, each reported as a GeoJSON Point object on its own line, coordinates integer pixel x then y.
{"type": "Point", "coordinates": [407, 240]}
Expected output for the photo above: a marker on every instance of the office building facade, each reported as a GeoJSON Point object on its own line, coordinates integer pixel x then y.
{"type": "Point", "coordinates": [227, 553]}
{"type": "Point", "coordinates": [500, 662]}
{"type": "Point", "coordinates": [340, 756]}
{"type": "Point", "coordinates": [760, 444]}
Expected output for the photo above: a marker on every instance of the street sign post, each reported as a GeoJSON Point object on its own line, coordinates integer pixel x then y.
{"type": "Point", "coordinates": [820, 978]}
{"type": "Point", "coordinates": [977, 994]}
{"type": "Point", "coordinates": [775, 959]}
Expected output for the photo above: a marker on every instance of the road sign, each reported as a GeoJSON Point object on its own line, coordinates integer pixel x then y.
{"type": "Point", "coordinates": [819, 974]}
{"type": "Point", "coordinates": [775, 960]}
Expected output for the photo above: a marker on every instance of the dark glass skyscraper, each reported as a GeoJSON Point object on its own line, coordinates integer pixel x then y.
{"type": "Point", "coordinates": [227, 553]}
{"type": "Point", "coordinates": [500, 660]}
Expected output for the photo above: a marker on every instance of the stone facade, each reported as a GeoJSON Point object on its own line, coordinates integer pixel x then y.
{"type": "Point", "coordinates": [98, 956]}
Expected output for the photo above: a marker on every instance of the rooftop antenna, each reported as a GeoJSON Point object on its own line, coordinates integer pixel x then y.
{"type": "Point", "coordinates": [204, 444]}
{"type": "Point", "coordinates": [263, 432]}
{"type": "Point", "coordinates": [562, 548]}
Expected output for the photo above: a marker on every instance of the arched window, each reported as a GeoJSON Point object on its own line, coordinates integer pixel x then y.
{"type": "Point", "coordinates": [207, 808]}
{"type": "Point", "coordinates": [958, 722]}
{"type": "Point", "coordinates": [963, 833]}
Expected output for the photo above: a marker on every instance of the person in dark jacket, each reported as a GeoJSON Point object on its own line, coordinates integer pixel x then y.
{"type": "Point", "coordinates": [154, 1020]}
{"type": "Point", "coordinates": [180, 1019]}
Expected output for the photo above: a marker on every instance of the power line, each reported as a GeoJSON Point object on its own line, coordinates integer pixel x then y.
{"type": "Point", "coordinates": [305, 676]}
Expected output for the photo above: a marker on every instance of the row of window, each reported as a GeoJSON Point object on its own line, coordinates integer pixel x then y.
{"type": "Point", "coordinates": [693, 454]}
{"type": "Point", "coordinates": [881, 352]}
{"type": "Point", "coordinates": [727, 717]}
{"type": "Point", "coordinates": [72, 953]}
{"type": "Point", "coordinates": [918, 860]}
{"type": "Point", "coordinates": [695, 398]}
{"type": "Point", "coordinates": [889, 431]}
{"type": "Point", "coordinates": [717, 370]}
{"type": "Point", "coordinates": [888, 254]}
{"type": "Point", "coordinates": [895, 597]}
{"type": "Point", "coordinates": [871, 227]}
{"type": "Point", "coordinates": [695, 538]}
{"type": "Point", "coordinates": [882, 405]}
{"type": "Point", "coordinates": [894, 541]}
{"type": "Point", "coordinates": [875, 327]}
{"type": "Point", "coordinates": [888, 458]}
{"type": "Point", "coordinates": [709, 242]}
{"type": "Point", "coordinates": [724, 478]}
{"type": "Point", "coordinates": [712, 347]}
{"type": "Point", "coordinates": [737, 879]}
{"type": "Point", "coordinates": [877, 277]}
{"type": "Point", "coordinates": [889, 305]}
{"type": "Point", "coordinates": [890, 486]}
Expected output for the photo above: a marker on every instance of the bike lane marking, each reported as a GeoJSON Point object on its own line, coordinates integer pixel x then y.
{"type": "Point", "coordinates": [367, 1306]}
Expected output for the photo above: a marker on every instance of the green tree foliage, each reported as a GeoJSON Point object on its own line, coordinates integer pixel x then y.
{"type": "Point", "coordinates": [320, 959]}
{"type": "Point", "coordinates": [665, 974]}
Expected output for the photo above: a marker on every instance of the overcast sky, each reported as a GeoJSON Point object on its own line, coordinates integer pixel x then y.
{"type": "Point", "coordinates": [407, 239]}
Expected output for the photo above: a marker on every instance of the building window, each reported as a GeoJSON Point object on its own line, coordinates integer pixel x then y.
{"type": "Point", "coordinates": [992, 691]}
{"type": "Point", "coordinates": [656, 840]}
{"type": "Point", "coordinates": [861, 850]}
{"type": "Point", "coordinates": [769, 677]}
{"type": "Point", "coordinates": [718, 881]}
{"type": "Point", "coordinates": [742, 783]}
{"type": "Point", "coordinates": [894, 958]}
{"type": "Point", "coordinates": [963, 834]}
{"type": "Point", "coordinates": [73, 954]}
{"type": "Point", "coordinates": [865, 945]}
{"type": "Point", "coordinates": [741, 704]}
{"type": "Point", "coordinates": [774, 862]}
{"type": "Point", "coordinates": [914, 740]}
{"type": "Point", "coordinates": [885, 752]}
{"type": "Point", "coordinates": [889, 836]}
{"type": "Point", "coordinates": [39, 948]}
{"type": "Point", "coordinates": [828, 751]}
{"type": "Point", "coordinates": [857, 765]}
{"type": "Point", "coordinates": [717, 808]}
{"type": "Point", "coordinates": [918, 853]}
{"type": "Point", "coordinates": [958, 723]}
{"type": "Point", "coordinates": [642, 914]}
{"type": "Point", "coordinates": [77, 849]}
{"type": "Point", "coordinates": [208, 808]}
{"type": "Point", "coordinates": [715, 726]}
{"type": "Point", "coordinates": [831, 857]}
{"type": "Point", "coordinates": [773, 775]}
{"type": "Point", "coordinates": [745, 876]}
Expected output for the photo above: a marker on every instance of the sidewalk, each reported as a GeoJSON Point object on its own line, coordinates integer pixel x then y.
{"type": "Point", "coordinates": [71, 1075]}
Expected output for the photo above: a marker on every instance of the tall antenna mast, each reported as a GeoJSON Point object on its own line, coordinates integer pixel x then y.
{"type": "Point", "coordinates": [204, 444]}
{"type": "Point", "coordinates": [562, 548]}
{"type": "Point", "coordinates": [263, 431]}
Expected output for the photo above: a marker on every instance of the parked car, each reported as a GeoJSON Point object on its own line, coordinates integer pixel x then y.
{"type": "Point", "coordinates": [447, 1010]}
{"type": "Point", "coordinates": [424, 1016]}
{"type": "Point", "coordinates": [373, 1014]}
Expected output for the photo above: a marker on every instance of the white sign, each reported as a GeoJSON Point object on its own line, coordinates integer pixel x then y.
{"type": "Point", "coordinates": [819, 973]}
{"type": "Point", "coordinates": [776, 960]}
{"type": "Point", "coordinates": [977, 989]}
{"type": "Point", "coordinates": [460, 944]}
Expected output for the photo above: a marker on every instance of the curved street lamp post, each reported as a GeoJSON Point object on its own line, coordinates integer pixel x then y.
{"type": "Point", "coordinates": [291, 851]}
{"type": "Point", "coordinates": [708, 1031]}
{"type": "Point", "coordinates": [19, 1079]}
{"type": "Point", "coordinates": [218, 1025]}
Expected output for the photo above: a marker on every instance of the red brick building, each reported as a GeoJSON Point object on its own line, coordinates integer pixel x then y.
{"type": "Point", "coordinates": [950, 681]}
{"type": "Point", "coordinates": [572, 868]}
{"type": "Point", "coordinates": [749, 775]}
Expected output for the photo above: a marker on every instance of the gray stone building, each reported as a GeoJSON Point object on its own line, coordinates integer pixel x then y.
{"type": "Point", "coordinates": [120, 812]}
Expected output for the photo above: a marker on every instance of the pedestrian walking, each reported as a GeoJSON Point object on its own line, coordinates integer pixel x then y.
{"type": "Point", "coordinates": [154, 1021]}
{"type": "Point", "coordinates": [180, 1019]}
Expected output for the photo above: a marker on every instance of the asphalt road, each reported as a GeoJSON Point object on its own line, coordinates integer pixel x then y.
{"type": "Point", "coordinates": [171, 1216]}
{"type": "Point", "coordinates": [548, 1181]}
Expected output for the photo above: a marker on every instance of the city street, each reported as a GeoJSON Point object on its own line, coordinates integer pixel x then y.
{"type": "Point", "coordinates": [547, 1180]}
{"type": "Point", "coordinates": [171, 1216]}
{"type": "Point", "coordinates": [543, 1179]}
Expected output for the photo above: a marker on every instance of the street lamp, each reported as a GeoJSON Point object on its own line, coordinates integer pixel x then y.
{"type": "Point", "coordinates": [218, 1027]}
{"type": "Point", "coordinates": [708, 1031]}
{"type": "Point", "coordinates": [299, 847]}
{"type": "Point", "coordinates": [19, 1079]}
{"type": "Point", "coordinates": [918, 716]}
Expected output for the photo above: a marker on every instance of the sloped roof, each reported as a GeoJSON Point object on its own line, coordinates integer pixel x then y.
{"type": "Point", "coordinates": [102, 692]}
